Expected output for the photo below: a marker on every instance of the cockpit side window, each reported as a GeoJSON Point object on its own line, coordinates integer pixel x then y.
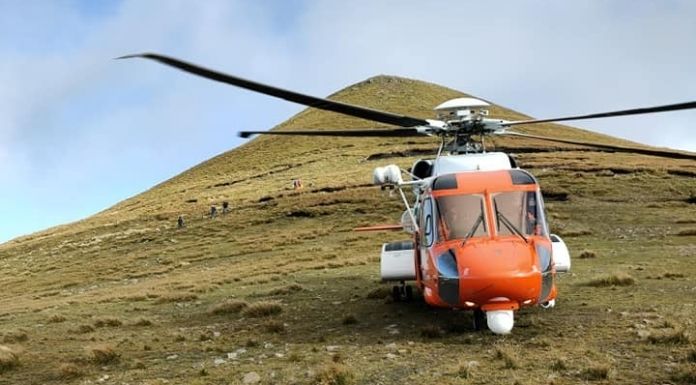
{"type": "Point", "coordinates": [519, 212]}
{"type": "Point", "coordinates": [427, 223]}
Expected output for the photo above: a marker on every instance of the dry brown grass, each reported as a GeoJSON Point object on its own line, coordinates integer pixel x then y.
{"type": "Point", "coordinates": [672, 337]}
{"type": "Point", "coordinates": [559, 364]}
{"type": "Point", "coordinates": [56, 318]}
{"type": "Point", "coordinates": [467, 369]}
{"type": "Point", "coordinates": [333, 374]}
{"type": "Point", "coordinates": [69, 371]}
{"type": "Point", "coordinates": [179, 297]}
{"type": "Point", "coordinates": [142, 322]}
{"type": "Point", "coordinates": [691, 356]}
{"type": "Point", "coordinates": [15, 336]}
{"type": "Point", "coordinates": [9, 358]}
{"type": "Point", "coordinates": [126, 263]}
{"type": "Point", "coordinates": [595, 372]}
{"type": "Point", "coordinates": [685, 376]}
{"type": "Point", "coordinates": [262, 309]}
{"type": "Point", "coordinates": [82, 329]}
{"type": "Point", "coordinates": [686, 232]}
{"type": "Point", "coordinates": [230, 306]}
{"type": "Point", "coordinates": [274, 326]}
{"type": "Point", "coordinates": [289, 289]}
{"type": "Point", "coordinates": [107, 322]}
{"type": "Point", "coordinates": [509, 358]}
{"type": "Point", "coordinates": [102, 354]}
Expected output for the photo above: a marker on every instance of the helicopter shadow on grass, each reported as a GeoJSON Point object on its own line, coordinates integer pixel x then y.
{"type": "Point", "coordinates": [358, 310]}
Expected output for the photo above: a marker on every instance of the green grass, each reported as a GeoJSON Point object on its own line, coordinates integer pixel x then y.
{"type": "Point", "coordinates": [309, 277]}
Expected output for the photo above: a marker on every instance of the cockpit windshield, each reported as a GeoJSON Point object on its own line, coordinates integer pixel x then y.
{"type": "Point", "coordinates": [519, 213]}
{"type": "Point", "coordinates": [461, 216]}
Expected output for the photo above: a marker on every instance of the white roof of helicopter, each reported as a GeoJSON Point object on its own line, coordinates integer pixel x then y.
{"type": "Point", "coordinates": [460, 103]}
{"type": "Point", "coordinates": [489, 161]}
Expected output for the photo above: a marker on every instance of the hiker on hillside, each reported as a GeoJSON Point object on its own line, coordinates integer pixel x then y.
{"type": "Point", "coordinates": [225, 207]}
{"type": "Point", "coordinates": [180, 222]}
{"type": "Point", "coordinates": [213, 212]}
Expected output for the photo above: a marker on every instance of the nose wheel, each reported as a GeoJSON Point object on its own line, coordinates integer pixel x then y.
{"type": "Point", "coordinates": [402, 292]}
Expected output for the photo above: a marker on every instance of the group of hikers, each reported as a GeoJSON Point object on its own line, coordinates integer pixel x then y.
{"type": "Point", "coordinates": [181, 223]}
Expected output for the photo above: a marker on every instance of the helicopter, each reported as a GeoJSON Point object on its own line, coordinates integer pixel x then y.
{"type": "Point", "coordinates": [479, 236]}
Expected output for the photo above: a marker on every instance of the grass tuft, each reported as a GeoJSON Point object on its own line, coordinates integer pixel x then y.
{"type": "Point", "coordinates": [9, 358]}
{"type": "Point", "coordinates": [686, 232]}
{"type": "Point", "coordinates": [108, 321]}
{"type": "Point", "coordinates": [289, 289]}
{"type": "Point", "coordinates": [587, 254]}
{"type": "Point", "coordinates": [83, 329]}
{"type": "Point", "coordinates": [595, 373]}
{"type": "Point", "coordinates": [181, 297]}
{"type": "Point", "coordinates": [509, 359]}
{"type": "Point", "coordinates": [68, 371]}
{"type": "Point", "coordinates": [262, 309]}
{"type": "Point", "coordinates": [55, 318]}
{"type": "Point", "coordinates": [685, 376]}
{"type": "Point", "coordinates": [274, 326]}
{"type": "Point", "coordinates": [467, 369]}
{"type": "Point", "coordinates": [142, 322]}
{"type": "Point", "coordinates": [431, 331]}
{"type": "Point", "coordinates": [230, 306]}
{"type": "Point", "coordinates": [674, 337]}
{"type": "Point", "coordinates": [102, 354]}
{"type": "Point", "coordinates": [619, 279]}
{"type": "Point", "coordinates": [691, 356]}
{"type": "Point", "coordinates": [559, 364]}
{"type": "Point", "coordinates": [15, 336]}
{"type": "Point", "coordinates": [333, 374]}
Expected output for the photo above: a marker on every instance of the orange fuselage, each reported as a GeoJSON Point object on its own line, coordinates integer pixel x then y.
{"type": "Point", "coordinates": [503, 263]}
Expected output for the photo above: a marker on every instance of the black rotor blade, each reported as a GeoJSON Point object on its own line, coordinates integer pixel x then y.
{"type": "Point", "coordinates": [307, 100]}
{"type": "Point", "coordinates": [633, 111]}
{"type": "Point", "coordinates": [392, 133]}
{"type": "Point", "coordinates": [609, 147]}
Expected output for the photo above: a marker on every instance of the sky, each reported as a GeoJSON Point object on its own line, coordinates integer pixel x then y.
{"type": "Point", "coordinates": [80, 131]}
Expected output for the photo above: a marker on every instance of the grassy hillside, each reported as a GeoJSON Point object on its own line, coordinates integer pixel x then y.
{"type": "Point", "coordinates": [283, 289]}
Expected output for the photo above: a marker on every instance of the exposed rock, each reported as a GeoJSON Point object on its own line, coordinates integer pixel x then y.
{"type": "Point", "coordinates": [251, 378]}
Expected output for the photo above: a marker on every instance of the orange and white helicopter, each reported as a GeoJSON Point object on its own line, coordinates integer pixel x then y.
{"type": "Point", "coordinates": [480, 240]}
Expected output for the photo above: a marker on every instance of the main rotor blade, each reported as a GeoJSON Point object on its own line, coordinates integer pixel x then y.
{"type": "Point", "coordinates": [307, 100]}
{"type": "Point", "coordinates": [633, 111]}
{"type": "Point", "coordinates": [391, 133]}
{"type": "Point", "coordinates": [633, 150]}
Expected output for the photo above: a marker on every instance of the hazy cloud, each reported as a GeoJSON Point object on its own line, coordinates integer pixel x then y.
{"type": "Point", "coordinates": [74, 124]}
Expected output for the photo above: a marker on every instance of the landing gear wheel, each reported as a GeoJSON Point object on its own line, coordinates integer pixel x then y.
{"type": "Point", "coordinates": [479, 319]}
{"type": "Point", "coordinates": [409, 293]}
{"type": "Point", "coordinates": [403, 292]}
{"type": "Point", "coordinates": [396, 294]}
